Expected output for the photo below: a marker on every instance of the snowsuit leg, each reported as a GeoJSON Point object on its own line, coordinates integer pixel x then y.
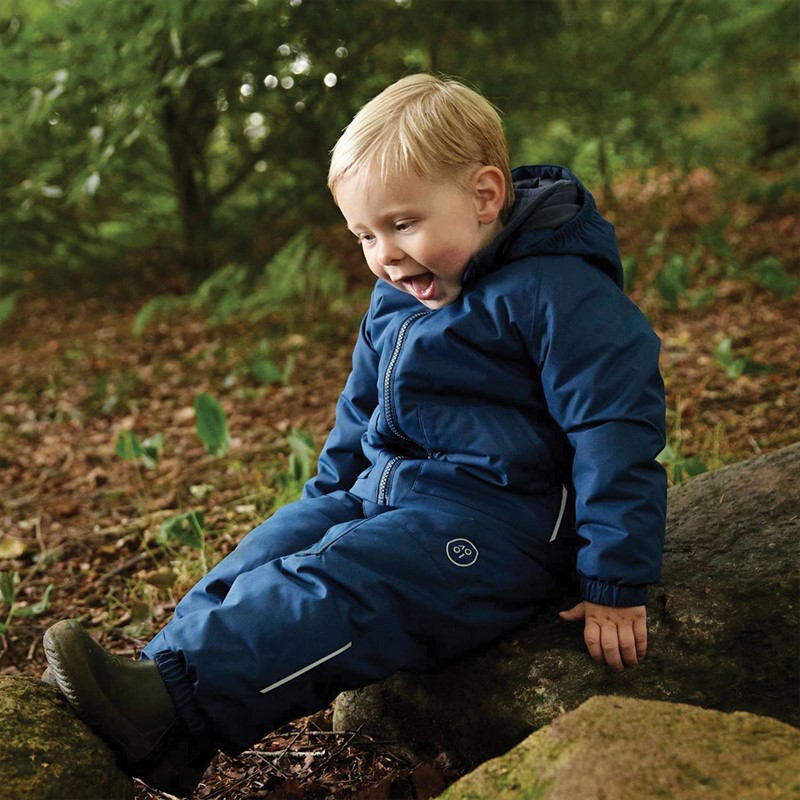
{"type": "Point", "coordinates": [388, 589]}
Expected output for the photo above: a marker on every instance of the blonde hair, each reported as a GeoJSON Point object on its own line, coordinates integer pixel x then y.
{"type": "Point", "coordinates": [422, 124]}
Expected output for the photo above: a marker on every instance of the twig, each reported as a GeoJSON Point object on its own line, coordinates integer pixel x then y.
{"type": "Point", "coordinates": [125, 565]}
{"type": "Point", "coordinates": [336, 752]}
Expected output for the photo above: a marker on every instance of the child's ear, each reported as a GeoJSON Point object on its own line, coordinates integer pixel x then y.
{"type": "Point", "coordinates": [489, 191]}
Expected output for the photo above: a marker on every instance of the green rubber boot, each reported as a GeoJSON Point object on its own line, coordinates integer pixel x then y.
{"type": "Point", "coordinates": [127, 704]}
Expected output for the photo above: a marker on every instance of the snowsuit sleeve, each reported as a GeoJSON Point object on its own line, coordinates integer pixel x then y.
{"type": "Point", "coordinates": [342, 458]}
{"type": "Point", "coordinates": [598, 360]}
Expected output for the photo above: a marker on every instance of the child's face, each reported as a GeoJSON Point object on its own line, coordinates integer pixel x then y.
{"type": "Point", "coordinates": [418, 234]}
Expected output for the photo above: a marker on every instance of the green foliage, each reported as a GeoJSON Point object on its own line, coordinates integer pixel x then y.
{"type": "Point", "coordinates": [302, 461]}
{"type": "Point", "coordinates": [260, 365]}
{"type": "Point", "coordinates": [736, 365]}
{"type": "Point", "coordinates": [9, 582]}
{"type": "Point", "coordinates": [298, 278]}
{"type": "Point", "coordinates": [769, 273]}
{"type": "Point", "coordinates": [176, 129]}
{"type": "Point", "coordinates": [7, 304]}
{"type": "Point", "coordinates": [184, 529]}
{"type": "Point", "coordinates": [163, 306]}
{"type": "Point", "coordinates": [674, 278]}
{"type": "Point", "coordinates": [629, 272]}
{"type": "Point", "coordinates": [212, 424]}
{"type": "Point", "coordinates": [680, 468]}
{"type": "Point", "coordinates": [147, 452]}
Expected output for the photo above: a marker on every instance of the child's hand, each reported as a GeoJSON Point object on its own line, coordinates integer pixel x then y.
{"type": "Point", "coordinates": [616, 636]}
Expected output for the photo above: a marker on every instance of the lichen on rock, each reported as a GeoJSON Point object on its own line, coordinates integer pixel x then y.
{"type": "Point", "coordinates": [47, 753]}
{"type": "Point", "coordinates": [632, 749]}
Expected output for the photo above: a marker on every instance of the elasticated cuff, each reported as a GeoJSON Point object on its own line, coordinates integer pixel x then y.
{"type": "Point", "coordinates": [173, 673]}
{"type": "Point", "coordinates": [612, 594]}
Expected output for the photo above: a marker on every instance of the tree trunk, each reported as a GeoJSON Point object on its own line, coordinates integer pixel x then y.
{"type": "Point", "coordinates": [190, 177]}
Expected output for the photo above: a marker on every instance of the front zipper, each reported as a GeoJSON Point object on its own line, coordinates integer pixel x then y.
{"type": "Point", "coordinates": [388, 406]}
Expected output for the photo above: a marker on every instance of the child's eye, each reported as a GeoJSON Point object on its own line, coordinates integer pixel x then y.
{"type": "Point", "coordinates": [401, 227]}
{"type": "Point", "coordinates": [365, 238]}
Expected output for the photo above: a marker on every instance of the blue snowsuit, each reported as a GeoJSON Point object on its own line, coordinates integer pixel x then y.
{"type": "Point", "coordinates": [481, 451]}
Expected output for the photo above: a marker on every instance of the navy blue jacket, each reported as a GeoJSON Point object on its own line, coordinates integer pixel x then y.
{"type": "Point", "coordinates": [540, 383]}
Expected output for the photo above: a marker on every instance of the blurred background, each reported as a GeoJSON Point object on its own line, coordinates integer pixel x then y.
{"type": "Point", "coordinates": [147, 144]}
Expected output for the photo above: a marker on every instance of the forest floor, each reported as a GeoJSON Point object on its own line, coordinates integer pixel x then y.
{"type": "Point", "coordinates": [77, 516]}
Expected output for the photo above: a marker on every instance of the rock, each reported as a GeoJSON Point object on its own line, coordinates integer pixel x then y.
{"type": "Point", "coordinates": [631, 749]}
{"type": "Point", "coordinates": [723, 633]}
{"type": "Point", "coordinates": [47, 753]}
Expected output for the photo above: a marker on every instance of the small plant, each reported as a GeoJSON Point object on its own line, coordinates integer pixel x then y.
{"type": "Point", "coordinates": [147, 452]}
{"type": "Point", "coordinates": [769, 273]}
{"type": "Point", "coordinates": [187, 530]}
{"type": "Point", "coordinates": [628, 272]}
{"type": "Point", "coordinates": [9, 583]}
{"type": "Point", "coordinates": [212, 424]}
{"type": "Point", "coordinates": [673, 282]}
{"type": "Point", "coordinates": [301, 464]}
{"type": "Point", "coordinates": [261, 366]}
{"type": "Point", "coordinates": [737, 365]}
{"type": "Point", "coordinates": [299, 277]}
{"type": "Point", "coordinates": [7, 304]}
{"type": "Point", "coordinates": [679, 467]}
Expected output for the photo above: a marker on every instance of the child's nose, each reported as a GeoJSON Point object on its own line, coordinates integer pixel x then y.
{"type": "Point", "coordinates": [389, 253]}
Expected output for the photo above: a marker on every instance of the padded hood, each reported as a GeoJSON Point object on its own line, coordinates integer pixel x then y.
{"type": "Point", "coordinates": [554, 214]}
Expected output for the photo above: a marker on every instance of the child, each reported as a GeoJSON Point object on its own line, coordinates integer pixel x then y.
{"type": "Point", "coordinates": [501, 420]}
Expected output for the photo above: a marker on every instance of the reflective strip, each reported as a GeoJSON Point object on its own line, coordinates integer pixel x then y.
{"type": "Point", "coordinates": [560, 513]}
{"type": "Point", "coordinates": [306, 669]}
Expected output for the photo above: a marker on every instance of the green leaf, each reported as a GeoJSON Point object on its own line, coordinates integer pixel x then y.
{"type": "Point", "coordinates": [163, 305]}
{"type": "Point", "coordinates": [128, 446]}
{"type": "Point", "coordinates": [125, 234]}
{"type": "Point", "coordinates": [209, 59]}
{"type": "Point", "coordinates": [629, 271]}
{"type": "Point", "coordinates": [769, 272]}
{"type": "Point", "coordinates": [7, 305]}
{"type": "Point", "coordinates": [736, 366]}
{"type": "Point", "coordinates": [702, 297]}
{"type": "Point", "coordinates": [37, 608]}
{"type": "Point", "coordinates": [175, 42]}
{"type": "Point", "coordinates": [186, 529]}
{"type": "Point", "coordinates": [685, 468]}
{"type": "Point", "coordinates": [265, 370]}
{"type": "Point", "coordinates": [672, 280]}
{"type": "Point", "coordinates": [301, 456]}
{"type": "Point", "coordinates": [212, 425]}
{"type": "Point", "coordinates": [152, 448]}
{"type": "Point", "coordinates": [8, 588]}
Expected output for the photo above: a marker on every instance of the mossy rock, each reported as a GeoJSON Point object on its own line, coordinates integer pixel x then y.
{"type": "Point", "coordinates": [47, 753]}
{"type": "Point", "coordinates": [632, 749]}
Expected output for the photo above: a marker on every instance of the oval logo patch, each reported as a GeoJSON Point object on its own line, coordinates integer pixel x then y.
{"type": "Point", "coordinates": [462, 552]}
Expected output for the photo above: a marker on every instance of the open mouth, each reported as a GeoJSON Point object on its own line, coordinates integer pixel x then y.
{"type": "Point", "coordinates": [421, 286]}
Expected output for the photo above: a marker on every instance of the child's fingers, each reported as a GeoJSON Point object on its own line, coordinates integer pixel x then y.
{"type": "Point", "coordinates": [640, 635]}
{"type": "Point", "coordinates": [628, 647]}
{"type": "Point", "coordinates": [611, 647]}
{"type": "Point", "coordinates": [573, 614]}
{"type": "Point", "coordinates": [603, 644]}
